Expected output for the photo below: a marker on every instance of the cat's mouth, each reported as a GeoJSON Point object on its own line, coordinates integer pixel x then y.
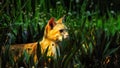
{"type": "Point", "coordinates": [66, 37]}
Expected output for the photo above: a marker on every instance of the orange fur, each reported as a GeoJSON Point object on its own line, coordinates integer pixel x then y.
{"type": "Point", "coordinates": [54, 32]}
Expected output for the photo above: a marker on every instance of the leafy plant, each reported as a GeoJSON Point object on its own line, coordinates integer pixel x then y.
{"type": "Point", "coordinates": [93, 39]}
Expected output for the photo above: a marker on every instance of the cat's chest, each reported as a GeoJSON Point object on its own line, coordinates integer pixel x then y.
{"type": "Point", "coordinates": [55, 50]}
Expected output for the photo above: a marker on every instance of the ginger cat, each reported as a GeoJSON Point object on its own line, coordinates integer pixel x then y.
{"type": "Point", "coordinates": [54, 33]}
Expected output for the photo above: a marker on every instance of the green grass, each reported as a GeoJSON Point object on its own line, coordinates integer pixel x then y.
{"type": "Point", "coordinates": [94, 39]}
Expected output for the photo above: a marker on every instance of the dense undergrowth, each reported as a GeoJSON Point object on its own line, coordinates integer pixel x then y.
{"type": "Point", "coordinates": [93, 39]}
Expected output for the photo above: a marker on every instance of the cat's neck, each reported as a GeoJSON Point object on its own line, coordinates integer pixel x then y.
{"type": "Point", "coordinates": [48, 42]}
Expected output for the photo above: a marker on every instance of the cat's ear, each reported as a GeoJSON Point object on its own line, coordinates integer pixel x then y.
{"type": "Point", "coordinates": [61, 20]}
{"type": "Point", "coordinates": [51, 23]}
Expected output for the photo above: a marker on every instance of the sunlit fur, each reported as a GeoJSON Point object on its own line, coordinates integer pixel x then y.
{"type": "Point", "coordinates": [53, 36]}
{"type": "Point", "coordinates": [54, 33]}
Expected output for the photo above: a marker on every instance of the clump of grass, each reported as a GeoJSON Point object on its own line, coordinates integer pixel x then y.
{"type": "Point", "coordinates": [93, 39]}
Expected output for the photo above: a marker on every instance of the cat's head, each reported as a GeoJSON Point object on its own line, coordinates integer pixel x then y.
{"type": "Point", "coordinates": [56, 30]}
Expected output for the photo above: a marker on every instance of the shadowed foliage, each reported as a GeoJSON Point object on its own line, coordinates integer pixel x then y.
{"type": "Point", "coordinates": [93, 26]}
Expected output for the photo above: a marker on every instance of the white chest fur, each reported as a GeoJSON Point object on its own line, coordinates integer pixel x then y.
{"type": "Point", "coordinates": [56, 51]}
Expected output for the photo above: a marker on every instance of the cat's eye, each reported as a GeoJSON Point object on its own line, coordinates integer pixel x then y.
{"type": "Point", "coordinates": [61, 30]}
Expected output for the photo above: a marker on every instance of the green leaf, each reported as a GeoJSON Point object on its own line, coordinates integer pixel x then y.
{"type": "Point", "coordinates": [91, 48]}
{"type": "Point", "coordinates": [106, 48]}
{"type": "Point", "coordinates": [45, 53]}
{"type": "Point", "coordinates": [38, 51]}
{"type": "Point", "coordinates": [27, 56]}
{"type": "Point", "coordinates": [111, 51]}
{"type": "Point", "coordinates": [69, 57]}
